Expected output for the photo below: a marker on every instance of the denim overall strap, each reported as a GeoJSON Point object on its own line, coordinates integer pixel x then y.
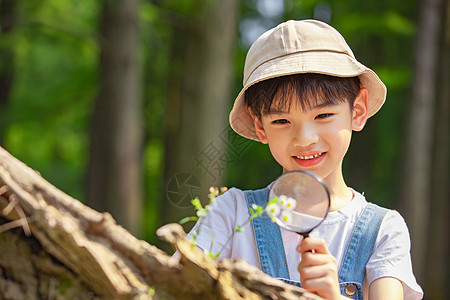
{"type": "Point", "coordinates": [359, 250]}
{"type": "Point", "coordinates": [269, 242]}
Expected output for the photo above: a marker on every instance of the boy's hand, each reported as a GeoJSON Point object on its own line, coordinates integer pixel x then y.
{"type": "Point", "coordinates": [318, 269]}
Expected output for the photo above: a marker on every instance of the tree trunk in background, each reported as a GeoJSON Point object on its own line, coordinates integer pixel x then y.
{"type": "Point", "coordinates": [197, 105]}
{"type": "Point", "coordinates": [436, 283]}
{"type": "Point", "coordinates": [418, 148]}
{"type": "Point", "coordinates": [7, 22]}
{"type": "Point", "coordinates": [115, 152]}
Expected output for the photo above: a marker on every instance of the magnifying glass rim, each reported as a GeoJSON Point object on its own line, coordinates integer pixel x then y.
{"type": "Point", "coordinates": [322, 182]}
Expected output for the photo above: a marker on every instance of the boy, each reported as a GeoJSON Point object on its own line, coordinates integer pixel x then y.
{"type": "Point", "coordinates": [304, 93]}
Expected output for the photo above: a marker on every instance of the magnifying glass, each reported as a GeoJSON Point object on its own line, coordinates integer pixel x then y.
{"type": "Point", "coordinates": [299, 201]}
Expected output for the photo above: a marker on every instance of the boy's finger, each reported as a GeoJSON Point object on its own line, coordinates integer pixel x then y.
{"type": "Point", "coordinates": [315, 245]}
{"type": "Point", "coordinates": [314, 259]}
{"type": "Point", "coordinates": [319, 271]}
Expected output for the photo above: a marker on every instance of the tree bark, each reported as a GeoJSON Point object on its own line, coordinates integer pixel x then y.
{"type": "Point", "coordinates": [417, 173]}
{"type": "Point", "coordinates": [88, 255]}
{"type": "Point", "coordinates": [437, 276]}
{"type": "Point", "coordinates": [197, 104]}
{"type": "Point", "coordinates": [116, 138]}
{"type": "Point", "coordinates": [45, 277]}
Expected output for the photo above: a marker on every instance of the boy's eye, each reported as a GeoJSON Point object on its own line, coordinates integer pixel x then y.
{"type": "Point", "coordinates": [280, 121]}
{"type": "Point", "coordinates": [323, 116]}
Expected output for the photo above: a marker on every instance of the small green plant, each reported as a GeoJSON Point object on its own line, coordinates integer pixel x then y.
{"type": "Point", "coordinates": [201, 214]}
{"type": "Point", "coordinates": [272, 208]}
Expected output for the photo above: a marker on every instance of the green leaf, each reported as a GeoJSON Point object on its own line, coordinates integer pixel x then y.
{"type": "Point", "coordinates": [239, 228]}
{"type": "Point", "coordinates": [259, 210]}
{"type": "Point", "coordinates": [151, 291]}
{"type": "Point", "coordinates": [274, 200]}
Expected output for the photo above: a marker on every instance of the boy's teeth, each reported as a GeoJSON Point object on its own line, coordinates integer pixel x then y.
{"type": "Point", "coordinates": [309, 156]}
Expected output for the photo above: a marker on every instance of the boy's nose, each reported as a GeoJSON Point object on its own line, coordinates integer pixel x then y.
{"type": "Point", "coordinates": [304, 136]}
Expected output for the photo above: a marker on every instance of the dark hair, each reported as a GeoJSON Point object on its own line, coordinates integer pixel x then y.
{"type": "Point", "coordinates": [310, 89]}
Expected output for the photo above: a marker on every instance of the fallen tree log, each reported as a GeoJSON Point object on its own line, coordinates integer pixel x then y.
{"type": "Point", "coordinates": [54, 247]}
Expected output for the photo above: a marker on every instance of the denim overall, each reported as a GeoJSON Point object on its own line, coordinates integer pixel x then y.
{"type": "Point", "coordinates": [269, 245]}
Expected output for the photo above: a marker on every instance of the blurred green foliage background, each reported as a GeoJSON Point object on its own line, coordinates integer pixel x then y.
{"type": "Point", "coordinates": [46, 118]}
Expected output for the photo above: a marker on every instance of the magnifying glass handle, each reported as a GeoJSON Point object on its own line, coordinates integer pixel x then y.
{"type": "Point", "coordinates": [306, 235]}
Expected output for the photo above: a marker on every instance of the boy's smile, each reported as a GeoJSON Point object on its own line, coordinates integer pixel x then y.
{"type": "Point", "coordinates": [309, 160]}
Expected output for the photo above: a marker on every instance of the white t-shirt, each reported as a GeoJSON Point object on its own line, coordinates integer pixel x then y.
{"type": "Point", "coordinates": [391, 257]}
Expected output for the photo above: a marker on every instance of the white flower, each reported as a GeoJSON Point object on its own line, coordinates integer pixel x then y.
{"type": "Point", "coordinates": [273, 209]}
{"type": "Point", "coordinates": [282, 200]}
{"type": "Point", "coordinates": [286, 217]}
{"type": "Point", "coordinates": [290, 203]}
{"type": "Point", "coordinates": [287, 202]}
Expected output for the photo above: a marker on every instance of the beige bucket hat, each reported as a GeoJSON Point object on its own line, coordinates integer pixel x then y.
{"type": "Point", "coordinates": [293, 47]}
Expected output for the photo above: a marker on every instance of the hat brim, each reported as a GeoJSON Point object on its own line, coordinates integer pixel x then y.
{"type": "Point", "coordinates": [320, 62]}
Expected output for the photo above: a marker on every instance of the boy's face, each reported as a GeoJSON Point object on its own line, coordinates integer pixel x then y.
{"type": "Point", "coordinates": [315, 139]}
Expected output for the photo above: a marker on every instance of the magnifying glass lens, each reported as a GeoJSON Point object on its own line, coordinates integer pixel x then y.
{"type": "Point", "coordinates": [301, 203]}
